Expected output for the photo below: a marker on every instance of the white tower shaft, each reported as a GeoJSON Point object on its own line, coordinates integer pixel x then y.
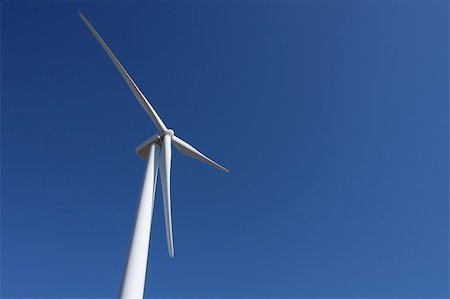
{"type": "Point", "coordinates": [134, 277]}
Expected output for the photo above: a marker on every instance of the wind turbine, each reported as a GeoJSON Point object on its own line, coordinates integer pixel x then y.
{"type": "Point", "coordinates": [155, 149]}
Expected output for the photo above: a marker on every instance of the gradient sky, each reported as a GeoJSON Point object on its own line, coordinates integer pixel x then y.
{"type": "Point", "coordinates": [332, 117]}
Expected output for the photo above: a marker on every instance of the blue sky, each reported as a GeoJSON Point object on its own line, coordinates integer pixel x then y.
{"type": "Point", "coordinates": [332, 117]}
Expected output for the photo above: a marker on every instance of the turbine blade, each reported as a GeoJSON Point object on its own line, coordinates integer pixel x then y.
{"type": "Point", "coordinates": [164, 167]}
{"type": "Point", "coordinates": [190, 151]}
{"type": "Point", "coordinates": [137, 93]}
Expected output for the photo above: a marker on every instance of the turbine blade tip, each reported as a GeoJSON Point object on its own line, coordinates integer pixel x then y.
{"type": "Point", "coordinates": [223, 169]}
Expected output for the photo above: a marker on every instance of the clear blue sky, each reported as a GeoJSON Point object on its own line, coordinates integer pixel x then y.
{"type": "Point", "coordinates": [332, 117]}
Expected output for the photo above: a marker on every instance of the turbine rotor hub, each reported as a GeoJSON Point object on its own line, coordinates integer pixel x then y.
{"type": "Point", "coordinates": [167, 132]}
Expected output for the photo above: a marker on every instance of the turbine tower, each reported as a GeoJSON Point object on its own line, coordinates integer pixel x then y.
{"type": "Point", "coordinates": [157, 151]}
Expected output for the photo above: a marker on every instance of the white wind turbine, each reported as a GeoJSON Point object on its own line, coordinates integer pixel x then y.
{"type": "Point", "coordinates": [134, 277]}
